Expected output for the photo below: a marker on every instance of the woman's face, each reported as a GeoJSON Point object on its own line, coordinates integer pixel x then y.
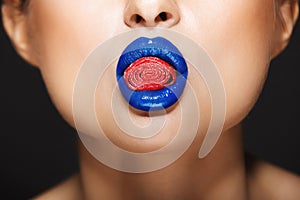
{"type": "Point", "coordinates": [240, 37]}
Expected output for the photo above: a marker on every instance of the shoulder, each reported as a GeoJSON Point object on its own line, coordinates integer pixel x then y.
{"type": "Point", "coordinates": [70, 189]}
{"type": "Point", "coordinates": [267, 181]}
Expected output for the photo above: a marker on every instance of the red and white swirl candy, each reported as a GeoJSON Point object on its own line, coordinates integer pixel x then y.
{"type": "Point", "coordinates": [149, 73]}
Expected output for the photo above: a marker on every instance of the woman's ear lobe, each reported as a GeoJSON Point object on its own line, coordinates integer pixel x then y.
{"type": "Point", "coordinates": [15, 25]}
{"type": "Point", "coordinates": [287, 14]}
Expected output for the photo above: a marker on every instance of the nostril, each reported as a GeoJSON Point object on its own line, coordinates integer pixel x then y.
{"type": "Point", "coordinates": [143, 13]}
{"type": "Point", "coordinates": [138, 18]}
{"type": "Point", "coordinates": [163, 16]}
{"type": "Point", "coordinates": [148, 20]}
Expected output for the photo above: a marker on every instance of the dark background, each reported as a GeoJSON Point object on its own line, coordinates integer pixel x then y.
{"type": "Point", "coordinates": [38, 149]}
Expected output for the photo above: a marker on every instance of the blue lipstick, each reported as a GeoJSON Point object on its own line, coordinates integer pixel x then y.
{"type": "Point", "coordinates": [160, 49]}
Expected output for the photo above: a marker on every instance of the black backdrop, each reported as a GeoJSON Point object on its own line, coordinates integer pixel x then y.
{"type": "Point", "coordinates": [38, 149]}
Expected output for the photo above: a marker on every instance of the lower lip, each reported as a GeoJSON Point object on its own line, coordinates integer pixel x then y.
{"type": "Point", "coordinates": [150, 83]}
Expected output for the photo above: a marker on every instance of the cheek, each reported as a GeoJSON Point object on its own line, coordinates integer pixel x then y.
{"type": "Point", "coordinates": [239, 43]}
{"type": "Point", "coordinates": [248, 52]}
{"type": "Point", "coordinates": [64, 34]}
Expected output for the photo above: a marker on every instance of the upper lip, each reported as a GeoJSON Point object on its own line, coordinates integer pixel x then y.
{"type": "Point", "coordinates": [157, 47]}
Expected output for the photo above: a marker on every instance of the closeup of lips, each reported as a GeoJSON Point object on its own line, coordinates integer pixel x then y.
{"type": "Point", "coordinates": [151, 74]}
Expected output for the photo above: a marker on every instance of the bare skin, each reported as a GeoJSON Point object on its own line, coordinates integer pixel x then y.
{"type": "Point", "coordinates": [56, 37]}
{"type": "Point", "coordinates": [69, 189]}
{"type": "Point", "coordinates": [267, 181]}
{"type": "Point", "coordinates": [187, 178]}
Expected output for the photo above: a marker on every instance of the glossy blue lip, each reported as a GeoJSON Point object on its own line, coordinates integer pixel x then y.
{"type": "Point", "coordinates": [153, 100]}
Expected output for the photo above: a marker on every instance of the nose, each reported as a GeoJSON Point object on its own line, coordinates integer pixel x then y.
{"type": "Point", "coordinates": [151, 13]}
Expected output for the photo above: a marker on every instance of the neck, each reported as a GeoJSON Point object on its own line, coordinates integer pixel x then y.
{"type": "Point", "coordinates": [220, 175]}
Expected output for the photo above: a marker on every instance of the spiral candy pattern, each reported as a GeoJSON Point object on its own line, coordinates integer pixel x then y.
{"type": "Point", "coordinates": [149, 73]}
